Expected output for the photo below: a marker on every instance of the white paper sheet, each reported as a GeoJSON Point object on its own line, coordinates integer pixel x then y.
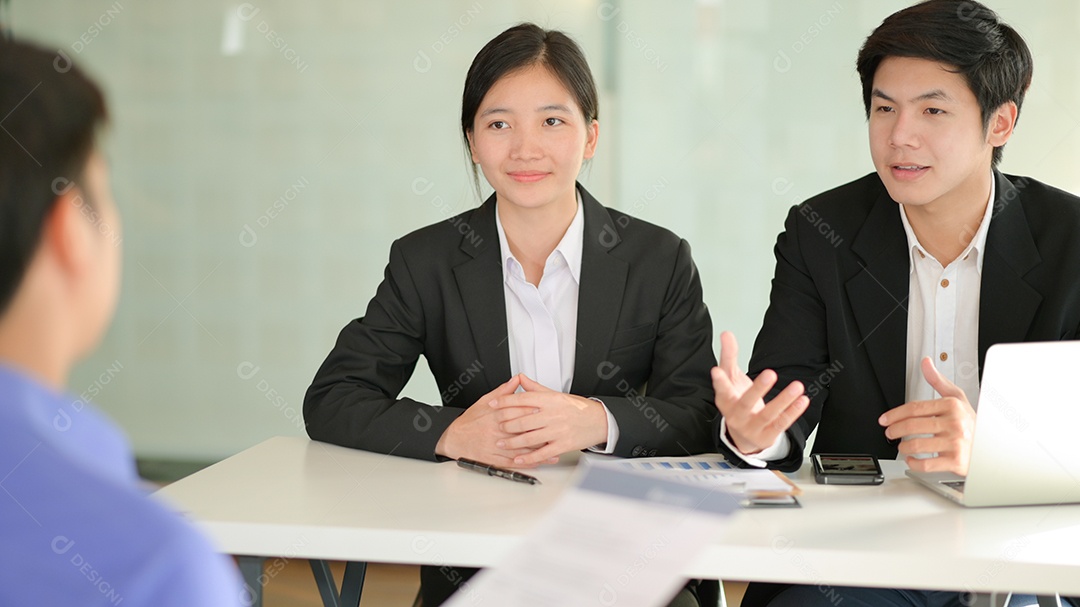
{"type": "Point", "coordinates": [616, 538]}
{"type": "Point", "coordinates": [710, 470]}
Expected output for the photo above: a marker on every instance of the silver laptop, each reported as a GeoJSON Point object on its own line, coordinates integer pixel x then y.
{"type": "Point", "coordinates": [1025, 447]}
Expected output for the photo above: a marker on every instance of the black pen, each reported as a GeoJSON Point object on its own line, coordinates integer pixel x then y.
{"type": "Point", "coordinates": [490, 470]}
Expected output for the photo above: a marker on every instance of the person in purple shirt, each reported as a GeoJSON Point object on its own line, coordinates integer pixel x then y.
{"type": "Point", "coordinates": [76, 528]}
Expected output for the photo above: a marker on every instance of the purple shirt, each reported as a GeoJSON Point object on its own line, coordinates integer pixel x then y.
{"type": "Point", "coordinates": [76, 527]}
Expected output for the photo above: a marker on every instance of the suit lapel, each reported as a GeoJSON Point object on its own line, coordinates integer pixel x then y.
{"type": "Point", "coordinates": [480, 282]}
{"type": "Point", "coordinates": [878, 296]}
{"type": "Point", "coordinates": [600, 295]}
{"type": "Point", "coordinates": [1007, 304]}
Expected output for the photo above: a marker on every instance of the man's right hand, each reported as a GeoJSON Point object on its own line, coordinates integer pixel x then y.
{"type": "Point", "coordinates": [752, 424]}
{"type": "Point", "coordinates": [474, 433]}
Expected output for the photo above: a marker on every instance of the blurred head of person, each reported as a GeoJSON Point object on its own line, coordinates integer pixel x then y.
{"type": "Point", "coordinates": [59, 226]}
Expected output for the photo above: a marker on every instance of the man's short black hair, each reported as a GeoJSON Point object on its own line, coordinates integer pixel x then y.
{"type": "Point", "coordinates": [966, 35]}
{"type": "Point", "coordinates": [49, 116]}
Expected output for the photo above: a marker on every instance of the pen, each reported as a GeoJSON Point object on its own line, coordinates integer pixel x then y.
{"type": "Point", "coordinates": [490, 470]}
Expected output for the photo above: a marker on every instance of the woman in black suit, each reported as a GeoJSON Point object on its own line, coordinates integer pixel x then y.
{"type": "Point", "coordinates": [551, 323]}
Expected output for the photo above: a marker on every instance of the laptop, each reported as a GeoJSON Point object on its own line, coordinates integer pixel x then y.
{"type": "Point", "coordinates": [1024, 450]}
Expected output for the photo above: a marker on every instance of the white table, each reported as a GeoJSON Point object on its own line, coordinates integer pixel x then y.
{"type": "Point", "coordinates": [295, 498]}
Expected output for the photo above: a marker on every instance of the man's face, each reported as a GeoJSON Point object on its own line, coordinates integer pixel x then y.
{"type": "Point", "coordinates": [927, 138]}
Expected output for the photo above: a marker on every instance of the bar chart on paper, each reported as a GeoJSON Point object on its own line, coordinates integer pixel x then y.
{"type": "Point", "coordinates": [712, 470]}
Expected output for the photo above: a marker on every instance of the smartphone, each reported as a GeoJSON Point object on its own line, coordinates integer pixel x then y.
{"type": "Point", "coordinates": [846, 469]}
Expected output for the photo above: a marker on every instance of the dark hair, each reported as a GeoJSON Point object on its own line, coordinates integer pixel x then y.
{"type": "Point", "coordinates": [966, 35]}
{"type": "Point", "coordinates": [522, 46]}
{"type": "Point", "coordinates": [51, 112]}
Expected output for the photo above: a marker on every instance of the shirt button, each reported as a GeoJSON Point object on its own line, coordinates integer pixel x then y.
{"type": "Point", "coordinates": [944, 357]}
{"type": "Point", "coordinates": [945, 282]}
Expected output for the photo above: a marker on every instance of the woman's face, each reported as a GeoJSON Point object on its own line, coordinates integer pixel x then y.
{"type": "Point", "coordinates": [530, 138]}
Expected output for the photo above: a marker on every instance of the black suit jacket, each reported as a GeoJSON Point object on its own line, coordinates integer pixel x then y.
{"type": "Point", "coordinates": [643, 332]}
{"type": "Point", "coordinates": [837, 317]}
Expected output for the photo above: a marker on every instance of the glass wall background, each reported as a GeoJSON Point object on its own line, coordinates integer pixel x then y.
{"type": "Point", "coordinates": [265, 155]}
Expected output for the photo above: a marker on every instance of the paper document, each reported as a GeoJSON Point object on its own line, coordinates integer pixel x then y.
{"type": "Point", "coordinates": [709, 470]}
{"type": "Point", "coordinates": [615, 538]}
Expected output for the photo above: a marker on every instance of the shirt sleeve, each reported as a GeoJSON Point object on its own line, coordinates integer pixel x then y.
{"type": "Point", "coordinates": [775, 452]}
{"type": "Point", "coordinates": [612, 432]}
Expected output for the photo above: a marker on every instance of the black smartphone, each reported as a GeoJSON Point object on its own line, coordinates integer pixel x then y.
{"type": "Point", "coordinates": [846, 469]}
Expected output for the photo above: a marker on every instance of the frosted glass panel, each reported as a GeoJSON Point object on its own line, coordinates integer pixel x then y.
{"type": "Point", "coordinates": [266, 154]}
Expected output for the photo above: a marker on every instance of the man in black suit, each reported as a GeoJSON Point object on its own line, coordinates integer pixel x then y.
{"type": "Point", "coordinates": [889, 290]}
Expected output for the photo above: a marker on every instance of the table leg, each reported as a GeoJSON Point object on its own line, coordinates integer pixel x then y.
{"type": "Point", "coordinates": [351, 585]}
{"type": "Point", "coordinates": [251, 568]}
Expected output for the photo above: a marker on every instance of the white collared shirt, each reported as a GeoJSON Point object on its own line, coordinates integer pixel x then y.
{"type": "Point", "coordinates": [542, 320]}
{"type": "Point", "coordinates": [943, 312]}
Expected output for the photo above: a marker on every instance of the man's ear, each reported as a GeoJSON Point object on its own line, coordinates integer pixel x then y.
{"type": "Point", "coordinates": [66, 237]}
{"type": "Point", "coordinates": [1002, 123]}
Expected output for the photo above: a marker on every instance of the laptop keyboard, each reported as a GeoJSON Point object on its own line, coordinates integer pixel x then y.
{"type": "Point", "coordinates": [957, 485]}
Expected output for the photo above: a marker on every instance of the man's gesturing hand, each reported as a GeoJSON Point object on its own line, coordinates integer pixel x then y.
{"type": "Point", "coordinates": [943, 426]}
{"type": "Point", "coordinates": [752, 424]}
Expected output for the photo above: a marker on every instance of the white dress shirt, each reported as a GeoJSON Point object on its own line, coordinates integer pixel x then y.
{"type": "Point", "coordinates": [943, 316]}
{"type": "Point", "coordinates": [542, 320]}
{"type": "Point", "coordinates": [943, 312]}
{"type": "Point", "coordinates": [943, 323]}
